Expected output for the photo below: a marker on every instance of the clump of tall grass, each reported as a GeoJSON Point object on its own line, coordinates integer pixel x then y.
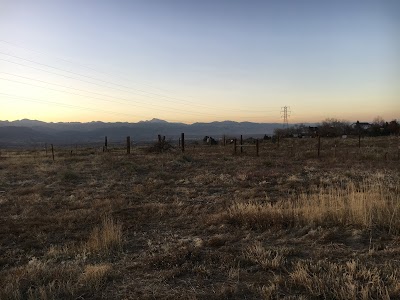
{"type": "Point", "coordinates": [39, 280]}
{"type": "Point", "coordinates": [104, 239]}
{"type": "Point", "coordinates": [348, 280]}
{"type": "Point", "coordinates": [371, 205]}
{"type": "Point", "coordinates": [266, 258]}
{"type": "Point", "coordinates": [94, 276]}
{"type": "Point", "coordinates": [45, 280]}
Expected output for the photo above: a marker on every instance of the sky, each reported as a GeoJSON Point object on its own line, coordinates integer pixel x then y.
{"type": "Point", "coordinates": [199, 61]}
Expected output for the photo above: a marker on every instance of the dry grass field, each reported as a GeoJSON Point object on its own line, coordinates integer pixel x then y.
{"type": "Point", "coordinates": [204, 224]}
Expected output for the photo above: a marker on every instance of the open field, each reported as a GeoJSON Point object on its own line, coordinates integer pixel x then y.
{"type": "Point", "coordinates": [204, 224]}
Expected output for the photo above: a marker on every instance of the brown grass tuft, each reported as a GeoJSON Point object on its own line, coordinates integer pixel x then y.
{"type": "Point", "coordinates": [104, 239]}
{"type": "Point", "coordinates": [94, 276]}
{"type": "Point", "coordinates": [349, 280]}
{"type": "Point", "coordinates": [266, 258]}
{"type": "Point", "coordinates": [40, 280]}
{"type": "Point", "coordinates": [373, 205]}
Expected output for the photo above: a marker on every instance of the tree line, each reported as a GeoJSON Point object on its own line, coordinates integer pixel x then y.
{"type": "Point", "coordinates": [332, 127]}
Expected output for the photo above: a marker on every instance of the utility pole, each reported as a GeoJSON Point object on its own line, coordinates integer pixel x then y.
{"type": "Point", "coordinates": [285, 114]}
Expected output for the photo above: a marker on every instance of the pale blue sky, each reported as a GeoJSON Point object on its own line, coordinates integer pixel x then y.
{"type": "Point", "coordinates": [199, 60]}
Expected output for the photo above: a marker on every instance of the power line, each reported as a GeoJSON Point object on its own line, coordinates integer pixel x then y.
{"type": "Point", "coordinates": [96, 79]}
{"type": "Point", "coordinates": [64, 86]}
{"type": "Point", "coordinates": [101, 99]}
{"type": "Point", "coordinates": [106, 73]}
{"type": "Point", "coordinates": [66, 76]}
{"type": "Point", "coordinates": [70, 77]}
{"type": "Point", "coordinates": [128, 101]}
{"type": "Point", "coordinates": [75, 63]}
{"type": "Point", "coordinates": [155, 95]}
{"type": "Point", "coordinates": [96, 98]}
{"type": "Point", "coordinates": [58, 74]}
{"type": "Point", "coordinates": [34, 100]}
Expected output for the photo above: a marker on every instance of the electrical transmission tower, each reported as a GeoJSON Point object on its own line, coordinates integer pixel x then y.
{"type": "Point", "coordinates": [285, 114]}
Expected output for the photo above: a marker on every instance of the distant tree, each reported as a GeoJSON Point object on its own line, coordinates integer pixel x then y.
{"type": "Point", "coordinates": [377, 126]}
{"type": "Point", "coordinates": [378, 121]}
{"type": "Point", "coordinates": [281, 132]}
{"type": "Point", "coordinates": [334, 127]}
{"type": "Point", "coordinates": [394, 127]}
{"type": "Point", "coordinates": [380, 127]}
{"type": "Point", "coordinates": [299, 129]}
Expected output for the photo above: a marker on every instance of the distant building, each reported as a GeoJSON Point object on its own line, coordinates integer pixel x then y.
{"type": "Point", "coordinates": [361, 125]}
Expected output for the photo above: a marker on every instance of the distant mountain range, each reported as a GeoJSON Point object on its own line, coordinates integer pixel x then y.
{"type": "Point", "coordinates": [32, 132]}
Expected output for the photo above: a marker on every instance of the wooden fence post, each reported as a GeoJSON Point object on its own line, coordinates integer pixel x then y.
{"type": "Point", "coordinates": [183, 141]}
{"type": "Point", "coordinates": [257, 146]}
{"type": "Point", "coordinates": [224, 140]}
{"type": "Point", "coordinates": [45, 147]}
{"type": "Point", "coordinates": [241, 143]}
{"type": "Point", "coordinates": [234, 145]}
{"type": "Point", "coordinates": [128, 144]}
{"type": "Point", "coordinates": [105, 143]}
{"type": "Point", "coordinates": [52, 151]}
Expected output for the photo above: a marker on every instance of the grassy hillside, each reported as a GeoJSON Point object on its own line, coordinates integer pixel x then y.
{"type": "Point", "coordinates": [204, 224]}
